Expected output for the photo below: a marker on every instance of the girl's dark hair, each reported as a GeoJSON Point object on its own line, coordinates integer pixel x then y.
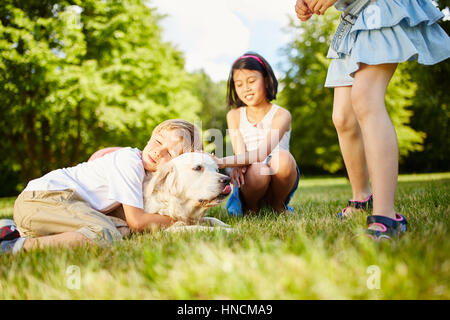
{"type": "Point", "coordinates": [246, 61]}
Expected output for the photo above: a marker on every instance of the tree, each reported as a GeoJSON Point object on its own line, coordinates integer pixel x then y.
{"type": "Point", "coordinates": [212, 97]}
{"type": "Point", "coordinates": [431, 107]}
{"type": "Point", "coordinates": [78, 75]}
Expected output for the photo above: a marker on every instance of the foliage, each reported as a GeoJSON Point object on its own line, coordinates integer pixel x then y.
{"type": "Point", "coordinates": [431, 115]}
{"type": "Point", "coordinates": [431, 107]}
{"type": "Point", "coordinates": [212, 97]}
{"type": "Point", "coordinates": [77, 75]}
{"type": "Point", "coordinates": [313, 140]}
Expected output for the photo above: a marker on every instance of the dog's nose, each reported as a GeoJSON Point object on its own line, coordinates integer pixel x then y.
{"type": "Point", "coordinates": [225, 179]}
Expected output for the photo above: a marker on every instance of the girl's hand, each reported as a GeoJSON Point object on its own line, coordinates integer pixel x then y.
{"type": "Point", "coordinates": [237, 176]}
{"type": "Point", "coordinates": [302, 10]}
{"type": "Point", "coordinates": [319, 6]}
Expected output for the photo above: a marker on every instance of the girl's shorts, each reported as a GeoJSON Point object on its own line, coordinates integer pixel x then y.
{"type": "Point", "coordinates": [389, 31]}
{"type": "Point", "coordinates": [234, 204]}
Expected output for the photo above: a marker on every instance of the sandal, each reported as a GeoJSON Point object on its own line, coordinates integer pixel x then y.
{"type": "Point", "coordinates": [381, 227]}
{"type": "Point", "coordinates": [356, 204]}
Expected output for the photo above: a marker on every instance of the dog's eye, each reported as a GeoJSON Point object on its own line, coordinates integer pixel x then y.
{"type": "Point", "coordinates": [198, 168]}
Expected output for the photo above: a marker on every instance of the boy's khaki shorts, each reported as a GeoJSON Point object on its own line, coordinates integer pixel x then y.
{"type": "Point", "coordinates": [43, 213]}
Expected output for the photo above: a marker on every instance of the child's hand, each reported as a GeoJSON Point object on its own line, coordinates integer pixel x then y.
{"type": "Point", "coordinates": [237, 176]}
{"type": "Point", "coordinates": [319, 6]}
{"type": "Point", "coordinates": [302, 10]}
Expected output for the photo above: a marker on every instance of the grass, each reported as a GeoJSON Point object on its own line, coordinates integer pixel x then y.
{"type": "Point", "coordinates": [307, 255]}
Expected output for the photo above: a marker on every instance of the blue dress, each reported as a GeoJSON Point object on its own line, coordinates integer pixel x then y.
{"type": "Point", "coordinates": [389, 31]}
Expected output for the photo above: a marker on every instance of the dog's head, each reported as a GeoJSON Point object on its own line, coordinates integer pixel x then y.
{"type": "Point", "coordinates": [186, 187]}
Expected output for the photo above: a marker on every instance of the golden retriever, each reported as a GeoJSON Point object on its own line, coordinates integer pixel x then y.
{"type": "Point", "coordinates": [184, 188]}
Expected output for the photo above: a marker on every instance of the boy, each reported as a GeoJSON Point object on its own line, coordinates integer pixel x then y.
{"type": "Point", "coordinates": [68, 206]}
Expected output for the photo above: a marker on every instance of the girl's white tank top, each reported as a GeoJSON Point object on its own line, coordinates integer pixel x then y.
{"type": "Point", "coordinates": [253, 134]}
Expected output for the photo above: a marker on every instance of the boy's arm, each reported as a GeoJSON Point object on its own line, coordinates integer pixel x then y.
{"type": "Point", "coordinates": [138, 220]}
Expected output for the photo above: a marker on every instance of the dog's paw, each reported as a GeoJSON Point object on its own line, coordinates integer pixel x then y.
{"type": "Point", "coordinates": [197, 228]}
{"type": "Point", "coordinates": [213, 222]}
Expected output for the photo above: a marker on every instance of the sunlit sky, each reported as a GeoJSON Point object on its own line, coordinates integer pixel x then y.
{"type": "Point", "coordinates": [213, 33]}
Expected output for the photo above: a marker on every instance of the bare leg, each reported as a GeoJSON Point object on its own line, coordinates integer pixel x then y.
{"type": "Point", "coordinates": [255, 186]}
{"type": "Point", "coordinates": [283, 179]}
{"type": "Point", "coordinates": [66, 239]}
{"type": "Point", "coordinates": [380, 139]}
{"type": "Point", "coordinates": [351, 143]}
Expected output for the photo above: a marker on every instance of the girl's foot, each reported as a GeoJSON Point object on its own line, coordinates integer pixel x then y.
{"type": "Point", "coordinates": [355, 205]}
{"type": "Point", "coordinates": [381, 227]}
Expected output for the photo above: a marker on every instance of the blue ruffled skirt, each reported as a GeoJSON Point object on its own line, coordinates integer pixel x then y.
{"type": "Point", "coordinates": [389, 31]}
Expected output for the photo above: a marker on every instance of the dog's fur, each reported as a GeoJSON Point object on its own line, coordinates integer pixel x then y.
{"type": "Point", "coordinates": [185, 187]}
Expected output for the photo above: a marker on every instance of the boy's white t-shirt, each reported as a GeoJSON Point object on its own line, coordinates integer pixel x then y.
{"type": "Point", "coordinates": [104, 182]}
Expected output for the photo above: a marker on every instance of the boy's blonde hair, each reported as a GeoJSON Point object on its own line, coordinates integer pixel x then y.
{"type": "Point", "coordinates": [190, 134]}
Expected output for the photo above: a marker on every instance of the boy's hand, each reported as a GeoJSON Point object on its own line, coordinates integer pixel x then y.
{"type": "Point", "coordinates": [319, 6]}
{"type": "Point", "coordinates": [302, 10]}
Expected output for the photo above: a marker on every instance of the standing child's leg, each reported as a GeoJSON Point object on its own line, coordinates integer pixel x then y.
{"type": "Point", "coordinates": [380, 139]}
{"type": "Point", "coordinates": [351, 143]}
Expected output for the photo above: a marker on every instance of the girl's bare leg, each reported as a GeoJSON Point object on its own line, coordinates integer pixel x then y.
{"type": "Point", "coordinates": [351, 143]}
{"type": "Point", "coordinates": [380, 139]}
{"type": "Point", "coordinates": [284, 175]}
{"type": "Point", "coordinates": [255, 185]}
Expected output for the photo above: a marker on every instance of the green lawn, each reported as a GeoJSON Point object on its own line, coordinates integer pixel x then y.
{"type": "Point", "coordinates": [307, 255]}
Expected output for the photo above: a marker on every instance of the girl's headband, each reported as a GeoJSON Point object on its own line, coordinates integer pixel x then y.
{"type": "Point", "coordinates": [250, 56]}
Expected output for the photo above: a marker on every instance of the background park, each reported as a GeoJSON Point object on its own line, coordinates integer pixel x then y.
{"type": "Point", "coordinates": [77, 76]}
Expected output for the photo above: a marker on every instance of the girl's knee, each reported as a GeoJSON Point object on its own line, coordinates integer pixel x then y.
{"type": "Point", "coordinates": [342, 121]}
{"type": "Point", "coordinates": [257, 175]}
{"type": "Point", "coordinates": [283, 164]}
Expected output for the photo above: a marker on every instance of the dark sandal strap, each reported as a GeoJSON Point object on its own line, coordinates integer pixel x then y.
{"type": "Point", "coordinates": [366, 204]}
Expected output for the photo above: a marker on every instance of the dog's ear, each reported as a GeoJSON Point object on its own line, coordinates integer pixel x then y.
{"type": "Point", "coordinates": [165, 175]}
